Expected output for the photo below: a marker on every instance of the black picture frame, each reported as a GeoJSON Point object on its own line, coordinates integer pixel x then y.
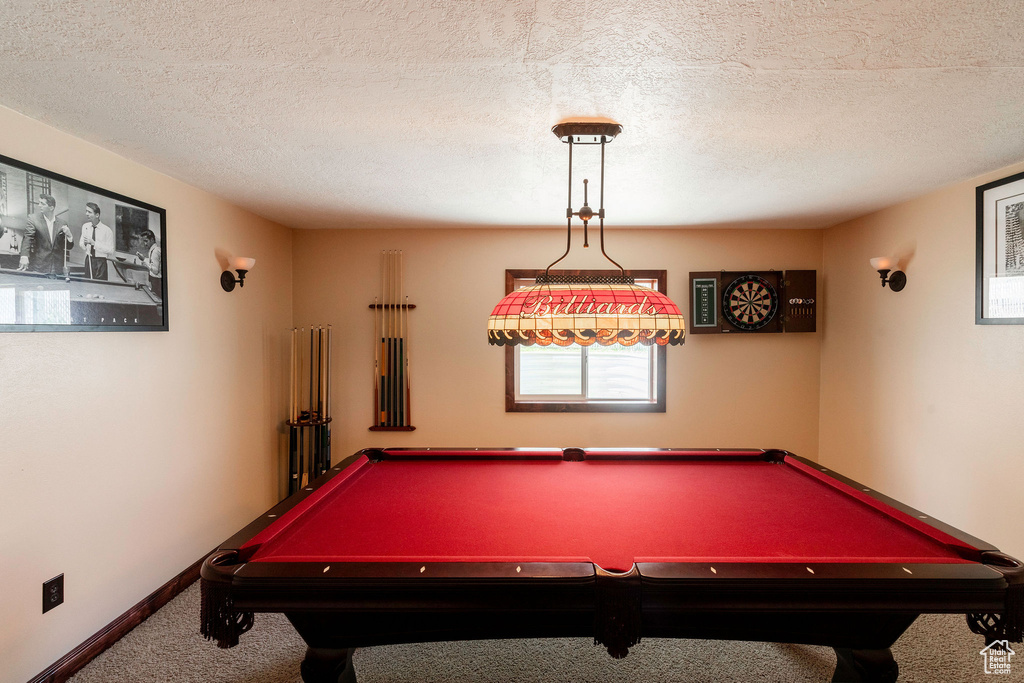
{"type": "Point", "coordinates": [49, 283]}
{"type": "Point", "coordinates": [999, 287]}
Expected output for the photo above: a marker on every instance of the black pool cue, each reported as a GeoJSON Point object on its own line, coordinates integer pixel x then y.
{"type": "Point", "coordinates": [379, 341]}
{"type": "Point", "coordinates": [327, 435]}
{"type": "Point", "coordinates": [319, 371]}
{"type": "Point", "coordinates": [310, 372]}
{"type": "Point", "coordinates": [394, 338]}
{"type": "Point", "coordinates": [401, 339]}
{"type": "Point", "coordinates": [321, 437]}
{"type": "Point", "coordinates": [315, 432]}
{"type": "Point", "coordinates": [389, 377]}
{"type": "Point", "coordinates": [376, 367]}
{"type": "Point", "coordinates": [408, 378]}
{"type": "Point", "coordinates": [302, 454]}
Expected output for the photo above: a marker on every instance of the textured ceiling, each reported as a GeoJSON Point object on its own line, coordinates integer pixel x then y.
{"type": "Point", "coordinates": [338, 113]}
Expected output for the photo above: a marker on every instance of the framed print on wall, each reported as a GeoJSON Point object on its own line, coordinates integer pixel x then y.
{"type": "Point", "coordinates": [75, 257]}
{"type": "Point", "coordinates": [1000, 277]}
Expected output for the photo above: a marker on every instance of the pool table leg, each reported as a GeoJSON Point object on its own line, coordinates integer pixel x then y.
{"type": "Point", "coordinates": [865, 665]}
{"type": "Point", "coordinates": [328, 665]}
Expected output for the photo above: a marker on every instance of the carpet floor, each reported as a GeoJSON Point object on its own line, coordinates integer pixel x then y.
{"type": "Point", "coordinates": [167, 648]}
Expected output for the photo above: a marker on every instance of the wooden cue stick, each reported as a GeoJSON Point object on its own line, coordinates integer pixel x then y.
{"type": "Point", "coordinates": [327, 407]}
{"type": "Point", "coordinates": [315, 431]}
{"type": "Point", "coordinates": [291, 379]}
{"type": "Point", "coordinates": [314, 371]}
{"type": "Point", "coordinates": [292, 429]}
{"type": "Point", "coordinates": [391, 338]}
{"type": "Point", "coordinates": [310, 371]}
{"type": "Point", "coordinates": [329, 340]}
{"type": "Point", "coordinates": [401, 335]}
{"type": "Point", "coordinates": [376, 366]}
{"type": "Point", "coordinates": [395, 408]}
{"type": "Point", "coordinates": [323, 361]}
{"type": "Point", "coordinates": [295, 373]}
{"type": "Point", "coordinates": [323, 372]}
{"type": "Point", "coordinates": [298, 398]}
{"type": "Point", "coordinates": [320, 371]}
{"type": "Point", "coordinates": [384, 347]}
{"type": "Point", "coordinates": [408, 379]}
{"type": "Point", "coordinates": [380, 342]}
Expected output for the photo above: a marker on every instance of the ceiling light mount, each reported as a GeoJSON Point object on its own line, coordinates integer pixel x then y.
{"type": "Point", "coordinates": [586, 132]}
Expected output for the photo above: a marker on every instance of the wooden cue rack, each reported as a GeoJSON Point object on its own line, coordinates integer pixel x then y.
{"type": "Point", "coordinates": [309, 417]}
{"type": "Point", "coordinates": [391, 386]}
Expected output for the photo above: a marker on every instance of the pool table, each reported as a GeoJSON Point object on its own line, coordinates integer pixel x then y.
{"type": "Point", "coordinates": [405, 545]}
{"type": "Point", "coordinates": [80, 301]}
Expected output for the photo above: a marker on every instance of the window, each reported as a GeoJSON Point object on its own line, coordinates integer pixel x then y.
{"type": "Point", "coordinates": [585, 378]}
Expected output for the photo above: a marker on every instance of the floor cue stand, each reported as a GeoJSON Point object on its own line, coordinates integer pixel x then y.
{"type": "Point", "coordinates": [309, 449]}
{"type": "Point", "coordinates": [309, 411]}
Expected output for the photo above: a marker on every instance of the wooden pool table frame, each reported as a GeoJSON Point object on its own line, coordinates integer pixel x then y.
{"type": "Point", "coordinates": [860, 609]}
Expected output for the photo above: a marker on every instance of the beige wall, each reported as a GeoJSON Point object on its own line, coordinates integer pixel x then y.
{"type": "Point", "coordinates": [917, 400]}
{"type": "Point", "coordinates": [124, 457]}
{"type": "Point", "coordinates": [723, 390]}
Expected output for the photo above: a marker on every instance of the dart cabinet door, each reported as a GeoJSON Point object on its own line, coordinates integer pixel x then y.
{"type": "Point", "coordinates": [761, 301]}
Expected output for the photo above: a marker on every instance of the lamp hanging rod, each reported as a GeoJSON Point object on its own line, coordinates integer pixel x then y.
{"type": "Point", "coordinates": [574, 133]}
{"type": "Point", "coordinates": [600, 215]}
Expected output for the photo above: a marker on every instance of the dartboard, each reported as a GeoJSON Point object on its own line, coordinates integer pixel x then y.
{"type": "Point", "coordinates": [750, 302]}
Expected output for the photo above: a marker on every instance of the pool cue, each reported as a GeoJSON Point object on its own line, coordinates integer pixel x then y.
{"type": "Point", "coordinates": [320, 399]}
{"type": "Point", "coordinates": [67, 276]}
{"type": "Point", "coordinates": [391, 341]}
{"type": "Point", "coordinates": [315, 433]}
{"type": "Point", "coordinates": [389, 407]}
{"type": "Point", "coordinates": [295, 373]}
{"type": "Point", "coordinates": [376, 367]}
{"type": "Point", "coordinates": [323, 399]}
{"type": "Point", "coordinates": [302, 444]}
{"type": "Point", "coordinates": [401, 336]}
{"type": "Point", "coordinates": [326, 429]}
{"type": "Point", "coordinates": [396, 335]}
{"type": "Point", "coordinates": [383, 337]}
{"type": "Point", "coordinates": [310, 411]}
{"type": "Point", "coordinates": [323, 373]}
{"type": "Point", "coordinates": [330, 342]}
{"type": "Point", "coordinates": [408, 380]}
{"type": "Point", "coordinates": [395, 341]}
{"type": "Point", "coordinates": [291, 418]}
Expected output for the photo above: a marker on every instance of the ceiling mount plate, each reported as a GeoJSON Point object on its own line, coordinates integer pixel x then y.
{"type": "Point", "coordinates": [586, 132]}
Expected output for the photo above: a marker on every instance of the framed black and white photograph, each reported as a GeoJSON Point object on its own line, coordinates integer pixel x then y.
{"type": "Point", "coordinates": [75, 257]}
{"type": "Point", "coordinates": [1000, 276]}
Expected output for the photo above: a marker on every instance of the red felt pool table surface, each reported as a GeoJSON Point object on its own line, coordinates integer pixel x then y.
{"type": "Point", "coordinates": [678, 507]}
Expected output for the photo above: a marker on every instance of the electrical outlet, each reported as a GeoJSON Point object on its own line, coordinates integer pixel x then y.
{"type": "Point", "coordinates": [53, 593]}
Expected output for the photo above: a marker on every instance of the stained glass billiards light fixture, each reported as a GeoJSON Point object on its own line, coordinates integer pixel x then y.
{"type": "Point", "coordinates": [584, 310]}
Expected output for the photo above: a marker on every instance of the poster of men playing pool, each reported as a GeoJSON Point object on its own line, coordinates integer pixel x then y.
{"type": "Point", "coordinates": [75, 257]}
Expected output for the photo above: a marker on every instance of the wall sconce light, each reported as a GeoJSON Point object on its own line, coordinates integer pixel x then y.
{"type": "Point", "coordinates": [884, 264]}
{"type": "Point", "coordinates": [241, 265]}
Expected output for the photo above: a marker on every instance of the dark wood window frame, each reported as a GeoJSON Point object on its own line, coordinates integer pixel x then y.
{"type": "Point", "coordinates": [514, 406]}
